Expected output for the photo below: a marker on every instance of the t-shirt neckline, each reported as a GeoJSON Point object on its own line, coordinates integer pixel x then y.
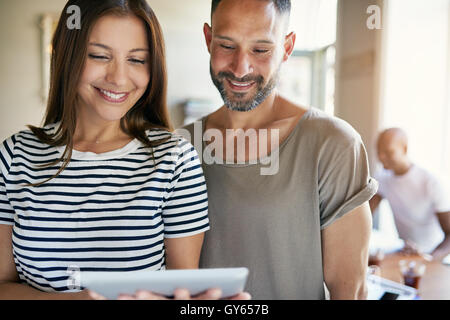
{"type": "Point", "coordinates": [259, 161]}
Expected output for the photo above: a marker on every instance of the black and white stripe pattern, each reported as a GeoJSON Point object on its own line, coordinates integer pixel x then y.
{"type": "Point", "coordinates": [104, 212]}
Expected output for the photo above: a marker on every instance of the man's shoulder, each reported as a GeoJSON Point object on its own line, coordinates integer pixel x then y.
{"type": "Point", "coordinates": [329, 129]}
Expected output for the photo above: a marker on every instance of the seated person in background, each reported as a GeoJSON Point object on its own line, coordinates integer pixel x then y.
{"type": "Point", "coordinates": [419, 203]}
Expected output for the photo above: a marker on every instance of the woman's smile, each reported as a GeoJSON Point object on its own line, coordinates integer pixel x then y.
{"type": "Point", "coordinates": [112, 96]}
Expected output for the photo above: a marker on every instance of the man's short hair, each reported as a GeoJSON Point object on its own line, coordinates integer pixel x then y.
{"type": "Point", "coordinates": [282, 6]}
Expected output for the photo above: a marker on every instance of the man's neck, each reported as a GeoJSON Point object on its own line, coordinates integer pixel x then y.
{"type": "Point", "coordinates": [260, 117]}
{"type": "Point", "coordinates": [403, 169]}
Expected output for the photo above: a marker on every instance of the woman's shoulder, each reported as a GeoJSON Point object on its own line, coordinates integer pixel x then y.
{"type": "Point", "coordinates": [170, 141]}
{"type": "Point", "coordinates": [24, 141]}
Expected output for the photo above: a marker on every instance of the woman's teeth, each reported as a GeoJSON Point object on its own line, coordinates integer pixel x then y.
{"type": "Point", "coordinates": [113, 95]}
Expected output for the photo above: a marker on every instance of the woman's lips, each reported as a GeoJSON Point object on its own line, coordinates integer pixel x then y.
{"type": "Point", "coordinates": [111, 96]}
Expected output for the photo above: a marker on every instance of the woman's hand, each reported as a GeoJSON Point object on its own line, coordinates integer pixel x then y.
{"type": "Point", "coordinates": [183, 294]}
{"type": "Point", "coordinates": [85, 295]}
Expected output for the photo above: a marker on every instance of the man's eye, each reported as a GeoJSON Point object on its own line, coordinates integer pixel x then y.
{"type": "Point", "coordinates": [226, 47]}
{"type": "Point", "coordinates": [261, 50]}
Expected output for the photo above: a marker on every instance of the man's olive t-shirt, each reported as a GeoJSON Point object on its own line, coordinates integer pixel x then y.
{"type": "Point", "coordinates": [272, 224]}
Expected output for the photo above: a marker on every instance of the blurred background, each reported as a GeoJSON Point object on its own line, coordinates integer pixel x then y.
{"type": "Point", "coordinates": [396, 74]}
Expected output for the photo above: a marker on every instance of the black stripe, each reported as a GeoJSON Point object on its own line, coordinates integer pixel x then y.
{"type": "Point", "coordinates": [186, 230]}
{"type": "Point", "coordinates": [185, 222]}
{"type": "Point", "coordinates": [90, 185]}
{"type": "Point", "coordinates": [84, 168]}
{"type": "Point", "coordinates": [108, 218]}
{"type": "Point", "coordinates": [36, 154]}
{"type": "Point", "coordinates": [91, 176]}
{"type": "Point", "coordinates": [183, 214]}
{"type": "Point", "coordinates": [95, 249]}
{"type": "Point", "coordinates": [7, 220]}
{"type": "Point", "coordinates": [185, 204]}
{"type": "Point", "coordinates": [87, 229]}
{"type": "Point", "coordinates": [89, 201]}
{"type": "Point", "coordinates": [87, 194]}
{"type": "Point", "coordinates": [93, 239]}
{"type": "Point", "coordinates": [101, 210]}
{"type": "Point", "coordinates": [94, 259]}
{"type": "Point", "coordinates": [88, 269]}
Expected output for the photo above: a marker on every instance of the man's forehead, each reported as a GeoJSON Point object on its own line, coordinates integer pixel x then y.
{"type": "Point", "coordinates": [255, 20]}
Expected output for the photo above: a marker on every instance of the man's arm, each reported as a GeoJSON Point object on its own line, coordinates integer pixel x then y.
{"type": "Point", "coordinates": [444, 247]}
{"type": "Point", "coordinates": [345, 247]}
{"type": "Point", "coordinates": [375, 202]}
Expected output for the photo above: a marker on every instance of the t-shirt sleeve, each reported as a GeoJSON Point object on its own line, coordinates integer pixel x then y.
{"type": "Point", "coordinates": [344, 179]}
{"type": "Point", "coordinates": [379, 177]}
{"type": "Point", "coordinates": [6, 155]}
{"type": "Point", "coordinates": [185, 212]}
{"type": "Point", "coordinates": [440, 195]}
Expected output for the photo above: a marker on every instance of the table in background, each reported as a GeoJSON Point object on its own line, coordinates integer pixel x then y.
{"type": "Point", "coordinates": [435, 283]}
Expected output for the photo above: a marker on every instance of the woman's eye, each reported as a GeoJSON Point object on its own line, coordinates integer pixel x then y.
{"type": "Point", "coordinates": [137, 61]}
{"type": "Point", "coordinates": [98, 57]}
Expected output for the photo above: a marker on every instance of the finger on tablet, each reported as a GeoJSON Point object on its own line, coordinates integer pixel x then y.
{"type": "Point", "coordinates": [94, 295]}
{"type": "Point", "coordinates": [210, 294]}
{"type": "Point", "coordinates": [181, 294]}
{"type": "Point", "coordinates": [148, 295]}
{"type": "Point", "coordinates": [123, 296]}
{"type": "Point", "coordinates": [241, 296]}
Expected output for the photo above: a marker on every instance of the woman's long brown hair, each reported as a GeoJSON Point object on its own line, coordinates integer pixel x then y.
{"type": "Point", "coordinates": [69, 50]}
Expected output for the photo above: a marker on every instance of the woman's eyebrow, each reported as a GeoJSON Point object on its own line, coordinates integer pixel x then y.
{"type": "Point", "coordinates": [108, 48]}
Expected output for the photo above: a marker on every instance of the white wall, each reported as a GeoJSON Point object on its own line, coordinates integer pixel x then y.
{"type": "Point", "coordinates": [20, 59]}
{"type": "Point", "coordinates": [20, 73]}
{"type": "Point", "coordinates": [417, 80]}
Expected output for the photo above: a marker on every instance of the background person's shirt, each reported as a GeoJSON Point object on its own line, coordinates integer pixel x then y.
{"type": "Point", "coordinates": [272, 224]}
{"type": "Point", "coordinates": [104, 212]}
{"type": "Point", "coordinates": [415, 198]}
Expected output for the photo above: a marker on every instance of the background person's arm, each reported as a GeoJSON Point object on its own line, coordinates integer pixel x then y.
{"type": "Point", "coordinates": [345, 250]}
{"type": "Point", "coordinates": [11, 289]}
{"type": "Point", "coordinates": [374, 203]}
{"type": "Point", "coordinates": [444, 247]}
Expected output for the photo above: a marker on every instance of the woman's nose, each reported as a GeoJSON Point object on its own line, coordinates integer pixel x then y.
{"type": "Point", "coordinates": [117, 74]}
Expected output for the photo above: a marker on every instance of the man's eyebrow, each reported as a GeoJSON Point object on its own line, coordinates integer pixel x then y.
{"type": "Point", "coordinates": [108, 48]}
{"type": "Point", "coordinates": [257, 41]}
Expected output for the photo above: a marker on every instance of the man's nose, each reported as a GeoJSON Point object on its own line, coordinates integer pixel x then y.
{"type": "Point", "coordinates": [241, 65]}
{"type": "Point", "coordinates": [117, 74]}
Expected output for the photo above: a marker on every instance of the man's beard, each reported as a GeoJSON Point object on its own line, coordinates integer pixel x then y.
{"type": "Point", "coordinates": [262, 92]}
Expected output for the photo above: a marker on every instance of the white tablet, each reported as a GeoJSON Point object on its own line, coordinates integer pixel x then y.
{"type": "Point", "coordinates": [110, 284]}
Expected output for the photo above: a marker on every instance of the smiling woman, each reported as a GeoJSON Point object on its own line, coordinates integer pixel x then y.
{"type": "Point", "coordinates": [103, 185]}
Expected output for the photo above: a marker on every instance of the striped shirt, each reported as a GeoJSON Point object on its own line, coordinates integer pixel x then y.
{"type": "Point", "coordinates": [104, 212]}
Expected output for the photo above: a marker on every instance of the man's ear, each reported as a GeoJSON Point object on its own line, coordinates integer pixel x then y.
{"type": "Point", "coordinates": [207, 31]}
{"type": "Point", "coordinates": [289, 44]}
